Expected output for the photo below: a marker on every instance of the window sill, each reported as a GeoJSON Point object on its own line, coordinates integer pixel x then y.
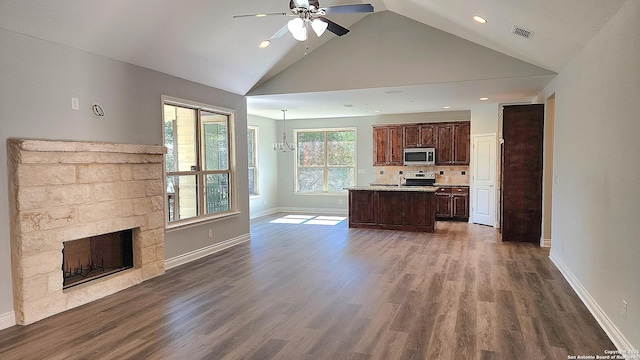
{"type": "Point", "coordinates": [199, 221]}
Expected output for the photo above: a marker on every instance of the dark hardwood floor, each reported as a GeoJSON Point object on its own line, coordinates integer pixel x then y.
{"type": "Point", "coordinates": [329, 292]}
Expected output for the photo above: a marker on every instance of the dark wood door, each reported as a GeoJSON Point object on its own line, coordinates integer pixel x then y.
{"type": "Point", "coordinates": [523, 131]}
{"type": "Point", "coordinates": [445, 139]}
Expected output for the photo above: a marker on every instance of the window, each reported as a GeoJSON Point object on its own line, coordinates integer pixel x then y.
{"type": "Point", "coordinates": [326, 160]}
{"type": "Point", "coordinates": [197, 163]}
{"type": "Point", "coordinates": [252, 143]}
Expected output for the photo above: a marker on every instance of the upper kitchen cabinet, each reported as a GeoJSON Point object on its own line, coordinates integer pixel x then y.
{"type": "Point", "coordinates": [387, 149]}
{"type": "Point", "coordinates": [453, 143]}
{"type": "Point", "coordinates": [419, 135]}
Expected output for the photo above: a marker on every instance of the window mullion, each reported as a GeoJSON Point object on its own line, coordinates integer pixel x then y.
{"type": "Point", "coordinates": [325, 183]}
{"type": "Point", "coordinates": [199, 167]}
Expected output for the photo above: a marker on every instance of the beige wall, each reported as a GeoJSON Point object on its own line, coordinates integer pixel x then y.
{"type": "Point", "coordinates": [596, 200]}
{"type": "Point", "coordinates": [38, 80]}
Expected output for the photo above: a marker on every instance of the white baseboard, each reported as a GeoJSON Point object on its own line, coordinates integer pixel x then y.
{"type": "Point", "coordinates": [617, 338]}
{"type": "Point", "coordinates": [205, 251]}
{"type": "Point", "coordinates": [7, 320]}
{"type": "Point", "coordinates": [260, 213]}
{"type": "Point", "coordinates": [545, 242]}
{"type": "Point", "coordinates": [314, 210]}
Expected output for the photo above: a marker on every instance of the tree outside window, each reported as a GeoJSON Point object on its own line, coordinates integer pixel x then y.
{"type": "Point", "coordinates": [198, 173]}
{"type": "Point", "coordinates": [326, 160]}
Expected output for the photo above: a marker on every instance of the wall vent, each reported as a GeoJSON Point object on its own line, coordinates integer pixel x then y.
{"type": "Point", "coordinates": [520, 31]}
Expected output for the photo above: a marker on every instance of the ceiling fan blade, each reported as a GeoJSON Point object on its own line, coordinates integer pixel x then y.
{"type": "Point", "coordinates": [299, 4]}
{"type": "Point", "coordinates": [260, 15]}
{"type": "Point", "coordinates": [333, 27]}
{"type": "Point", "coordinates": [348, 9]}
{"type": "Point", "coordinates": [280, 33]}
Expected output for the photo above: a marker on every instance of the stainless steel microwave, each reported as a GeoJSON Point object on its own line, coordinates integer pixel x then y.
{"type": "Point", "coordinates": [419, 157]}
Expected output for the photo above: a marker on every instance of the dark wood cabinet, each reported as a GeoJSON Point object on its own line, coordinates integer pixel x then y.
{"type": "Point", "coordinates": [392, 210]}
{"type": "Point", "coordinates": [387, 145]}
{"type": "Point", "coordinates": [360, 209]}
{"type": "Point", "coordinates": [419, 135]}
{"type": "Point", "coordinates": [453, 143]}
{"type": "Point", "coordinates": [444, 155]}
{"type": "Point", "coordinates": [443, 208]}
{"type": "Point", "coordinates": [461, 143]}
{"type": "Point", "coordinates": [390, 205]}
{"type": "Point", "coordinates": [419, 209]}
{"type": "Point", "coordinates": [453, 203]}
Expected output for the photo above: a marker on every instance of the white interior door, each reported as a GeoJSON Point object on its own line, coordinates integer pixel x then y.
{"type": "Point", "coordinates": [484, 179]}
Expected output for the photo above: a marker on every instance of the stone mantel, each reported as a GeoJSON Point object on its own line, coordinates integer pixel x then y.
{"type": "Point", "coordinates": [65, 190]}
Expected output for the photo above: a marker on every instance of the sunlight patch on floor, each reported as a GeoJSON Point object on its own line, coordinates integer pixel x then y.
{"type": "Point", "coordinates": [309, 220]}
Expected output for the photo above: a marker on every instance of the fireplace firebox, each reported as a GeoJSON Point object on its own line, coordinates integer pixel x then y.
{"type": "Point", "coordinates": [93, 257]}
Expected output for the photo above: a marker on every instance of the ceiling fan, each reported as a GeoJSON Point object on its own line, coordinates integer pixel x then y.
{"type": "Point", "coordinates": [309, 13]}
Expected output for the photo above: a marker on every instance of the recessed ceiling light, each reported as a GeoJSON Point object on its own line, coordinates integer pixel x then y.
{"type": "Point", "coordinates": [447, 107]}
{"type": "Point", "coordinates": [480, 19]}
{"type": "Point", "coordinates": [264, 44]}
{"type": "Point", "coordinates": [261, 15]}
{"type": "Point", "coordinates": [484, 98]}
{"type": "Point", "coordinates": [376, 111]}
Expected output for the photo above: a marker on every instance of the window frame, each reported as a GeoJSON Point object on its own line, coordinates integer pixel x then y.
{"type": "Point", "coordinates": [325, 192]}
{"type": "Point", "coordinates": [256, 183]}
{"type": "Point", "coordinates": [200, 171]}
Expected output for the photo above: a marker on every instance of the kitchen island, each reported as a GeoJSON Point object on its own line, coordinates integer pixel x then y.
{"type": "Point", "coordinates": [407, 208]}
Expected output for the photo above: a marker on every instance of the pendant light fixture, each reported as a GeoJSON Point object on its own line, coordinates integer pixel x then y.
{"type": "Point", "coordinates": [284, 146]}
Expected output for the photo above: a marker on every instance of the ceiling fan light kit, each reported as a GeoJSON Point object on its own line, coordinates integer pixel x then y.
{"type": "Point", "coordinates": [309, 12]}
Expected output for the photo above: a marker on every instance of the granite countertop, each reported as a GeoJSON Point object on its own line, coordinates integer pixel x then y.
{"type": "Point", "coordinates": [389, 187]}
{"type": "Point", "coordinates": [450, 184]}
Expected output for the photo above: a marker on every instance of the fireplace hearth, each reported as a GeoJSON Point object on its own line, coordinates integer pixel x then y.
{"type": "Point", "coordinates": [75, 196]}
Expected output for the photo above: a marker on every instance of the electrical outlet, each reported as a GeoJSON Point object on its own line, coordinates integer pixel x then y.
{"type": "Point", "coordinates": [381, 172]}
{"type": "Point", "coordinates": [75, 104]}
{"type": "Point", "coordinates": [441, 172]}
{"type": "Point", "coordinates": [360, 171]}
{"type": "Point", "coordinates": [400, 172]}
{"type": "Point", "coordinates": [624, 309]}
{"type": "Point", "coordinates": [339, 201]}
{"type": "Point", "coordinates": [464, 172]}
{"type": "Point", "coordinates": [210, 233]}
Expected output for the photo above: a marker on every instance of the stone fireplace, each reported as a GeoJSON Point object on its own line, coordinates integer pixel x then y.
{"type": "Point", "coordinates": [61, 192]}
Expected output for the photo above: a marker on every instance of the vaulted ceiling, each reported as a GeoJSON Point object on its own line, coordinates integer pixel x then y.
{"type": "Point", "coordinates": [408, 56]}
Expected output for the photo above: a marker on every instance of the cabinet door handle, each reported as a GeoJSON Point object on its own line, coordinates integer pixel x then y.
{"type": "Point", "coordinates": [459, 189]}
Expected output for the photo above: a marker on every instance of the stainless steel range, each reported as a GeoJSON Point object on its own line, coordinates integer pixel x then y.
{"type": "Point", "coordinates": [420, 179]}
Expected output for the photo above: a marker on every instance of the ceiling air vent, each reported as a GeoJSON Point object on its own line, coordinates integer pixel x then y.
{"type": "Point", "coordinates": [520, 31]}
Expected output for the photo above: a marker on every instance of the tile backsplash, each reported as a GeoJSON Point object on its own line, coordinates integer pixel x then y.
{"type": "Point", "coordinates": [450, 174]}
